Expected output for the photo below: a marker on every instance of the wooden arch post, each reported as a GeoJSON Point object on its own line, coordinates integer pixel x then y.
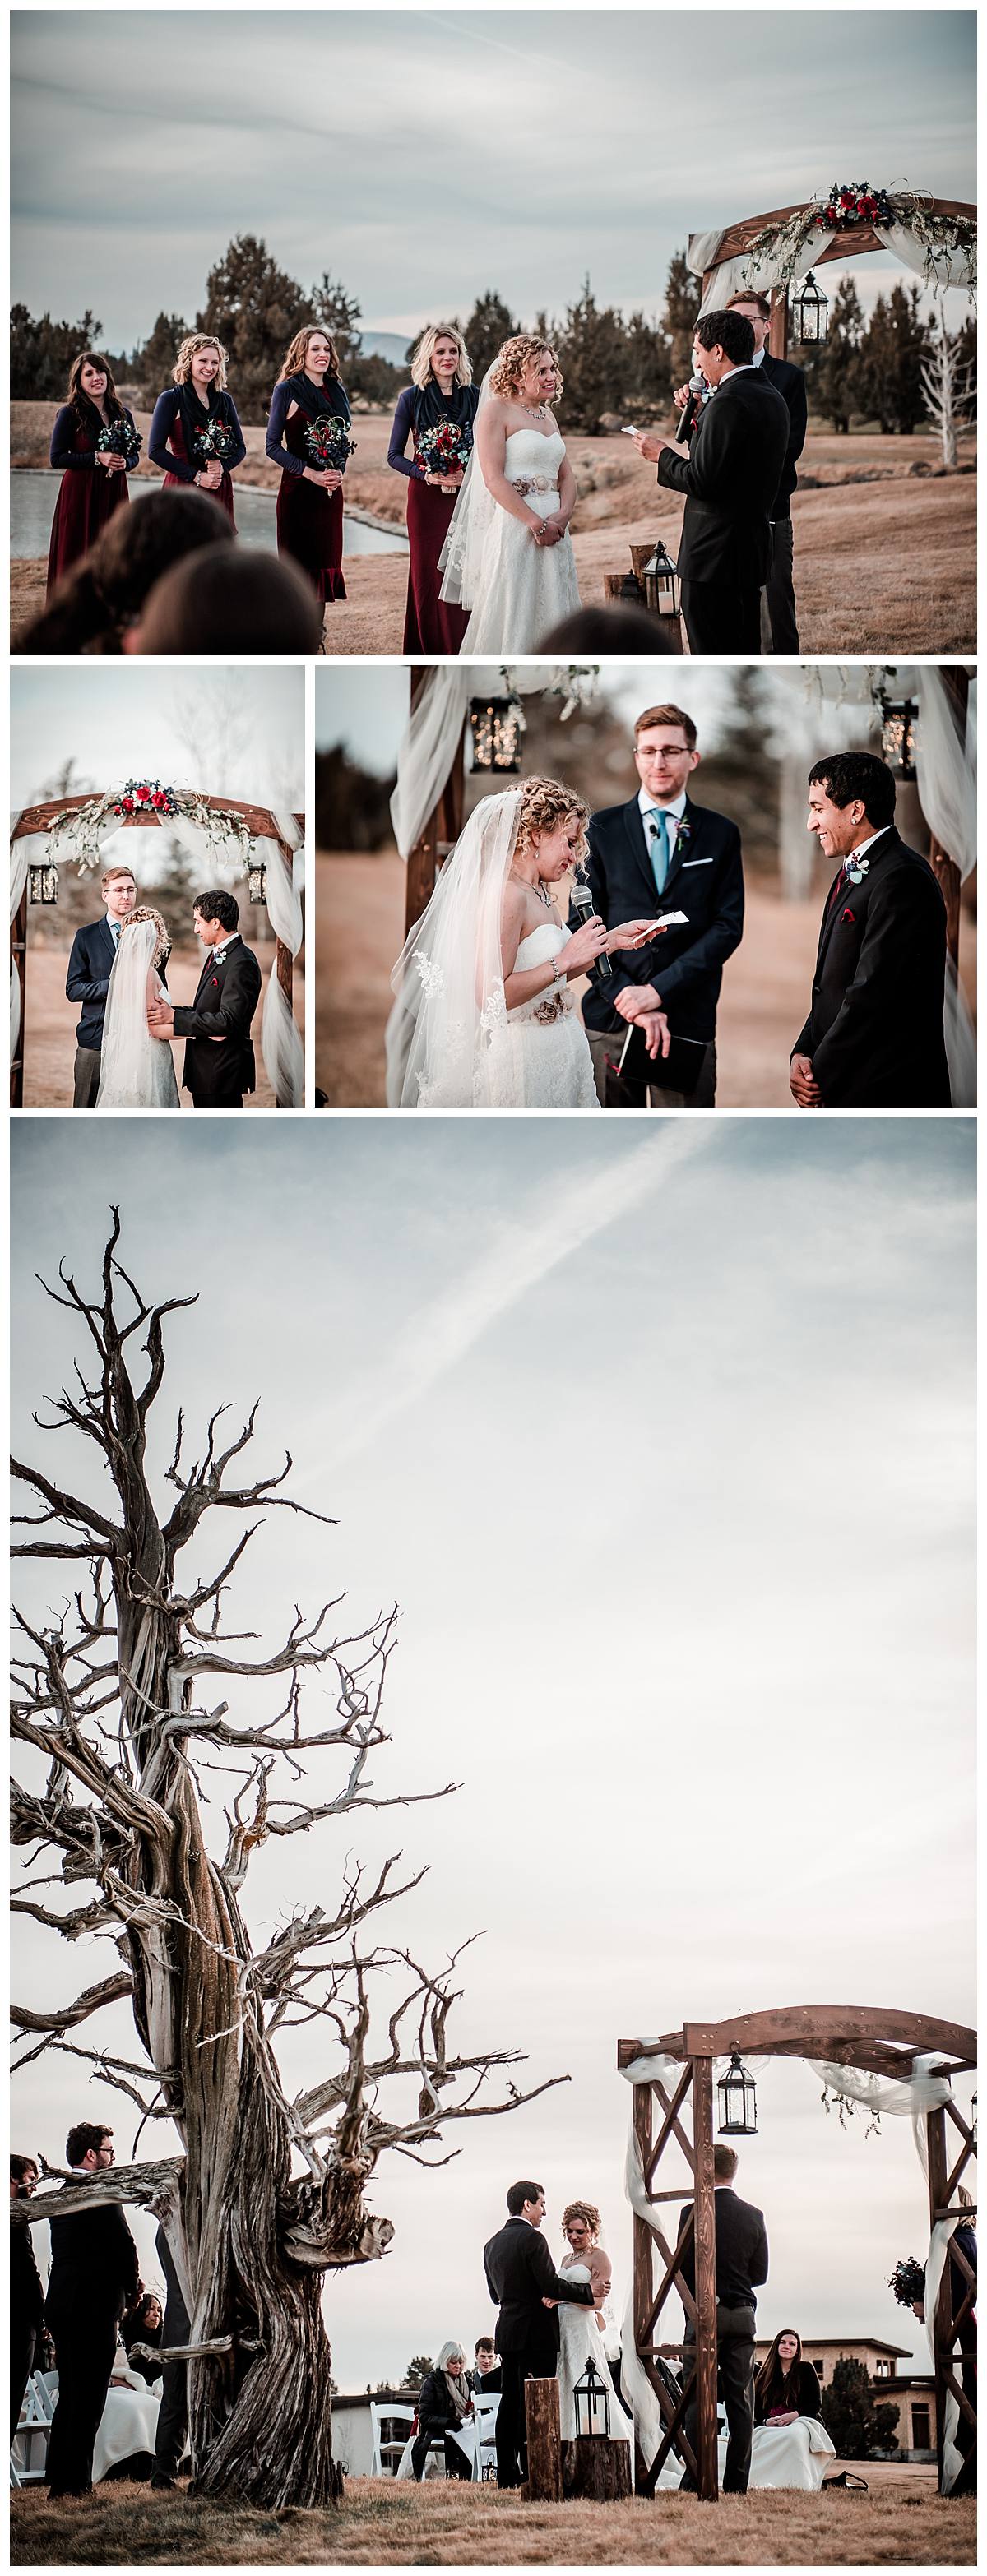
{"type": "Point", "coordinates": [39, 818]}
{"type": "Point", "coordinates": [681, 2115]}
{"type": "Point", "coordinates": [441, 832]}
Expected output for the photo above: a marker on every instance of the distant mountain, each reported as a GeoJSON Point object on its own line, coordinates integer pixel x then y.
{"type": "Point", "coordinates": [385, 344]}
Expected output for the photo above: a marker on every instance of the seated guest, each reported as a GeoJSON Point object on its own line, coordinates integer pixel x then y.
{"type": "Point", "coordinates": [94, 2277]}
{"type": "Point", "coordinates": [786, 2386]}
{"type": "Point", "coordinates": [93, 607]}
{"type": "Point", "coordinates": [27, 2298]}
{"type": "Point", "coordinates": [229, 599]}
{"type": "Point", "coordinates": [142, 2324]}
{"type": "Point", "coordinates": [444, 2403]}
{"type": "Point", "coordinates": [485, 2377]}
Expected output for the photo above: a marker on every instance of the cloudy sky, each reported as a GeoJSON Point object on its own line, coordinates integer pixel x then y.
{"type": "Point", "coordinates": [235, 735]}
{"type": "Point", "coordinates": [663, 1443]}
{"type": "Point", "coordinates": [425, 156]}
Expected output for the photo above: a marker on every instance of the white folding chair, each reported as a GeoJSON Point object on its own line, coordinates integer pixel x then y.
{"type": "Point", "coordinates": [388, 2449]}
{"type": "Point", "coordinates": [33, 2428]}
{"type": "Point", "coordinates": [485, 2462]}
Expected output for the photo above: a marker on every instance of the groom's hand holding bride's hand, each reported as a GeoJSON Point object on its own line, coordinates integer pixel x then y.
{"type": "Point", "coordinates": [160, 1020]}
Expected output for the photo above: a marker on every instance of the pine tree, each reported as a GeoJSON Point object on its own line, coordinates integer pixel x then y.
{"type": "Point", "coordinates": [649, 374]}
{"type": "Point", "coordinates": [592, 346]}
{"type": "Point", "coordinates": [838, 385]}
{"type": "Point", "coordinates": [42, 351]}
{"type": "Point", "coordinates": [683, 296]}
{"type": "Point", "coordinates": [893, 351]}
{"type": "Point", "coordinates": [255, 308]}
{"type": "Point", "coordinates": [489, 325]}
{"type": "Point", "coordinates": [152, 365]}
{"type": "Point", "coordinates": [339, 314]}
{"type": "Point", "coordinates": [850, 2415]}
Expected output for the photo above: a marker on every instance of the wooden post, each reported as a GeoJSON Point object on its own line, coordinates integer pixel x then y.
{"type": "Point", "coordinates": [957, 686]}
{"type": "Point", "coordinates": [705, 2226]}
{"type": "Point", "coordinates": [941, 2323]}
{"type": "Point", "coordinates": [596, 2468]}
{"type": "Point", "coordinates": [18, 953]}
{"type": "Point", "coordinates": [778, 332]}
{"type": "Point", "coordinates": [441, 831]}
{"type": "Point", "coordinates": [643, 2247]}
{"type": "Point", "coordinates": [544, 2439]}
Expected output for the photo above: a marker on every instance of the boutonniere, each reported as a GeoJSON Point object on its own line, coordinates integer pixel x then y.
{"type": "Point", "coordinates": [857, 871]}
{"type": "Point", "coordinates": [683, 835]}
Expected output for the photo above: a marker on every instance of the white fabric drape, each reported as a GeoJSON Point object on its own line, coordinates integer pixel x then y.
{"type": "Point", "coordinates": [281, 1043]}
{"type": "Point", "coordinates": [945, 769]}
{"type": "Point", "coordinates": [952, 267]}
{"type": "Point", "coordinates": [648, 2419]}
{"type": "Point", "coordinates": [759, 275]}
{"type": "Point", "coordinates": [729, 276]}
{"type": "Point", "coordinates": [428, 749]}
{"type": "Point", "coordinates": [28, 852]}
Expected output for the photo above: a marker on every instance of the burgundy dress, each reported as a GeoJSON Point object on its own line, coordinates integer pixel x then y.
{"type": "Point", "coordinates": [88, 495]}
{"type": "Point", "coordinates": [177, 482]}
{"type": "Point", "coordinates": [431, 624]}
{"type": "Point", "coordinates": [310, 521]}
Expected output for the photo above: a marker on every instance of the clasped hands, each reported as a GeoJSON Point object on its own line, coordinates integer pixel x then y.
{"type": "Point", "coordinates": [803, 1085]}
{"type": "Point", "coordinates": [546, 532]}
{"type": "Point", "coordinates": [160, 1020]}
{"type": "Point", "coordinates": [641, 1005]}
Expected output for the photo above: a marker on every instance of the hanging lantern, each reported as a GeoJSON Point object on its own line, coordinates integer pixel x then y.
{"type": "Point", "coordinates": [810, 312]}
{"type": "Point", "coordinates": [592, 2404]}
{"type": "Point", "coordinates": [662, 588]}
{"type": "Point", "coordinates": [257, 881]}
{"type": "Point", "coordinates": [42, 883]}
{"type": "Point", "coordinates": [737, 2101]}
{"type": "Point", "coordinates": [899, 719]}
{"type": "Point", "coordinates": [496, 725]}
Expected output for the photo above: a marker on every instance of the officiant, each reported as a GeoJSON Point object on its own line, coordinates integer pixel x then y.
{"type": "Point", "coordinates": [730, 478]}
{"type": "Point", "coordinates": [651, 1023]}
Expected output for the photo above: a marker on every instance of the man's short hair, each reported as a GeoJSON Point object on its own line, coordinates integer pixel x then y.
{"type": "Point", "coordinates": [110, 874]}
{"type": "Point", "coordinates": [520, 2192]}
{"type": "Point", "coordinates": [485, 2343]}
{"type": "Point", "coordinates": [218, 905]}
{"type": "Point", "coordinates": [728, 331]}
{"type": "Point", "coordinates": [850, 777]}
{"type": "Point", "coordinates": [748, 297]}
{"type": "Point", "coordinates": [666, 716]}
{"type": "Point", "coordinates": [724, 2163]}
{"type": "Point", "coordinates": [86, 2134]}
{"type": "Point", "coordinates": [21, 2166]}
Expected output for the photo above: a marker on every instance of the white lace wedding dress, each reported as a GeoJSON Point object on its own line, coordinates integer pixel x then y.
{"type": "Point", "coordinates": [523, 590]}
{"type": "Point", "coordinates": [136, 1070]}
{"type": "Point", "coordinates": [580, 2340]}
{"type": "Point", "coordinates": [538, 1055]}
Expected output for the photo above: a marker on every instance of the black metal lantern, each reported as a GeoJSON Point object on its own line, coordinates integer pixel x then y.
{"type": "Point", "coordinates": [810, 312]}
{"type": "Point", "coordinates": [899, 718]}
{"type": "Point", "coordinates": [662, 588]}
{"type": "Point", "coordinates": [257, 881]}
{"type": "Point", "coordinates": [592, 2404]}
{"type": "Point", "coordinates": [42, 883]}
{"type": "Point", "coordinates": [496, 726]}
{"type": "Point", "coordinates": [736, 2097]}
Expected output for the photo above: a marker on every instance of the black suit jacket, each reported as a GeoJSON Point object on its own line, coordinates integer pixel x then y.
{"type": "Point", "coordinates": [224, 1005]}
{"type": "Point", "coordinates": [520, 2274]}
{"type": "Point", "coordinates": [705, 881]}
{"type": "Point", "coordinates": [875, 1026]}
{"type": "Point", "coordinates": [790, 383]}
{"type": "Point", "coordinates": [88, 978]}
{"type": "Point", "coordinates": [735, 463]}
{"type": "Point", "coordinates": [27, 2298]}
{"type": "Point", "coordinates": [94, 2269]}
{"type": "Point", "coordinates": [486, 2383]}
{"type": "Point", "coordinates": [741, 2249]}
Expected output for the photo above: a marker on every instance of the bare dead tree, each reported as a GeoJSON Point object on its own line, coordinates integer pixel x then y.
{"type": "Point", "coordinates": [948, 382]}
{"type": "Point", "coordinates": [110, 1705]}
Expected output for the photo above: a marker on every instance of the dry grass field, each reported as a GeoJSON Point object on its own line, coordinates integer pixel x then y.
{"type": "Point", "coordinates": [900, 2523]}
{"type": "Point", "coordinates": [885, 544]}
{"type": "Point", "coordinates": [49, 1025]}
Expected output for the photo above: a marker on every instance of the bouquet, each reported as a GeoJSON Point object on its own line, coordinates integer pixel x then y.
{"type": "Point", "coordinates": [215, 443]}
{"type": "Point", "coordinates": [445, 449]}
{"type": "Point", "coordinates": [141, 792]}
{"type": "Point", "coordinates": [858, 203]}
{"type": "Point", "coordinates": [120, 438]}
{"type": "Point", "coordinates": [328, 443]}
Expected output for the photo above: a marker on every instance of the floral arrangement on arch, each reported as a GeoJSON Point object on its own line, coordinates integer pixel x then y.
{"type": "Point", "coordinates": [574, 682]}
{"type": "Point", "coordinates": [841, 209]}
{"type": "Point", "coordinates": [79, 834]}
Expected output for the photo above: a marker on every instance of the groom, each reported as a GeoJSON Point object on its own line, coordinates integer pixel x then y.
{"type": "Point", "coordinates": [88, 980]}
{"type": "Point", "coordinates": [660, 853]}
{"type": "Point", "coordinates": [874, 1035]}
{"type": "Point", "coordinates": [730, 478]}
{"type": "Point", "coordinates": [219, 1058]}
{"type": "Point", "coordinates": [521, 2277]}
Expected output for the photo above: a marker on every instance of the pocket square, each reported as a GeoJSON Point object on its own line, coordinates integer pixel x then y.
{"type": "Point", "coordinates": [847, 915]}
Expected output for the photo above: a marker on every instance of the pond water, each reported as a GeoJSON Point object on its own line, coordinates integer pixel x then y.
{"type": "Point", "coordinates": [32, 508]}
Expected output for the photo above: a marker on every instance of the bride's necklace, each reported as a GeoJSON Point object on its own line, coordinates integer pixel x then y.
{"type": "Point", "coordinates": [540, 414]}
{"type": "Point", "coordinates": [534, 886]}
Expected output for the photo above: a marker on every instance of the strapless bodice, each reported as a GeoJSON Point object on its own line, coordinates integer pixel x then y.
{"type": "Point", "coordinates": [545, 941]}
{"type": "Point", "coordinates": [529, 455]}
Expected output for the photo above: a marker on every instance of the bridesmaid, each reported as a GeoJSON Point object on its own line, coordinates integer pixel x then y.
{"type": "Point", "coordinates": [94, 478]}
{"type": "Point", "coordinates": [440, 392]}
{"type": "Point", "coordinates": [310, 501]}
{"type": "Point", "coordinates": [195, 434]}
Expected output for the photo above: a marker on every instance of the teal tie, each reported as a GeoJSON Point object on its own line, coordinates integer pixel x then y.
{"type": "Point", "coordinates": [658, 827]}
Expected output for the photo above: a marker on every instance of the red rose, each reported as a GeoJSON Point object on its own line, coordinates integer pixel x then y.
{"type": "Point", "coordinates": [127, 806]}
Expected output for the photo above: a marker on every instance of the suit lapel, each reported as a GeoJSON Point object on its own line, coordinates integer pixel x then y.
{"type": "Point", "coordinates": [107, 938]}
{"type": "Point", "coordinates": [685, 832]}
{"type": "Point", "coordinates": [637, 836]}
{"type": "Point", "coordinates": [834, 911]}
{"type": "Point", "coordinates": [211, 968]}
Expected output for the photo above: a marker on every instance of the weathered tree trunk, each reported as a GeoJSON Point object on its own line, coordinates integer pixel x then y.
{"type": "Point", "coordinates": [596, 2469]}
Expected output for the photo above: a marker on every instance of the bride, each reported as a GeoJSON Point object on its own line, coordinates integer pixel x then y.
{"type": "Point", "coordinates": [136, 1070]}
{"type": "Point", "coordinates": [508, 554]}
{"type": "Point", "coordinates": [483, 1015]}
{"type": "Point", "coordinates": [581, 2329]}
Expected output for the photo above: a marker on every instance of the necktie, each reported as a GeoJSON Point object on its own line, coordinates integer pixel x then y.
{"type": "Point", "coordinates": [658, 827]}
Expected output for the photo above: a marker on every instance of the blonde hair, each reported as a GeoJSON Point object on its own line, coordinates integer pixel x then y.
{"type": "Point", "coordinates": [109, 874]}
{"type": "Point", "coordinates": [545, 802]}
{"type": "Point", "coordinates": [421, 363]}
{"type": "Point", "coordinates": [191, 345]}
{"type": "Point", "coordinates": [146, 912]}
{"type": "Point", "coordinates": [583, 2209]}
{"type": "Point", "coordinates": [298, 352]}
{"type": "Point", "coordinates": [510, 363]}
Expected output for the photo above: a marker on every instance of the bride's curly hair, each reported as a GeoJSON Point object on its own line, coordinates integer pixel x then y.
{"type": "Point", "coordinates": [146, 912]}
{"type": "Point", "coordinates": [583, 2209]}
{"type": "Point", "coordinates": [545, 802]}
{"type": "Point", "coordinates": [510, 363]}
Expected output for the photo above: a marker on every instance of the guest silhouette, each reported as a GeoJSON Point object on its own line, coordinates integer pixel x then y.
{"type": "Point", "coordinates": [741, 2266]}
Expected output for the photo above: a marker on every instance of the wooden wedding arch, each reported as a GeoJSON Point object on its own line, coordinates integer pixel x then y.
{"type": "Point", "coordinates": [885, 2044]}
{"type": "Point", "coordinates": [259, 821]}
{"type": "Point", "coordinates": [853, 241]}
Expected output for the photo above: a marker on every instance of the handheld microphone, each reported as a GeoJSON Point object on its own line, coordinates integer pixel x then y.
{"type": "Point", "coordinates": [691, 410]}
{"type": "Point", "coordinates": [582, 902]}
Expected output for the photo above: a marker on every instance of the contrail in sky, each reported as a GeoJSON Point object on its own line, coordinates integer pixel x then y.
{"type": "Point", "coordinates": [442, 1332]}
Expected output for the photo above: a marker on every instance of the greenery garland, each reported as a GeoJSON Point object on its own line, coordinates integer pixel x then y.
{"type": "Point", "coordinates": [82, 830]}
{"type": "Point", "coordinates": [787, 245]}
